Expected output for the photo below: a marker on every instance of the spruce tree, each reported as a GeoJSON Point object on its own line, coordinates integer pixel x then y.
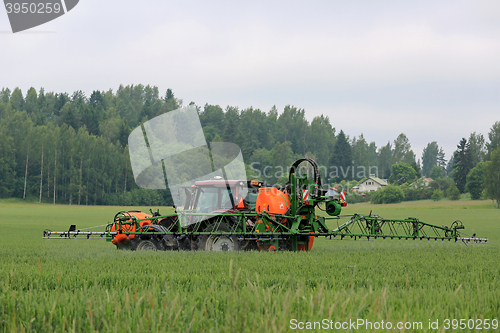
{"type": "Point", "coordinates": [462, 165]}
{"type": "Point", "coordinates": [429, 157]}
{"type": "Point", "coordinates": [342, 157]}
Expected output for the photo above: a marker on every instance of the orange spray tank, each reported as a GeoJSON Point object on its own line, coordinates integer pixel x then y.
{"type": "Point", "coordinates": [122, 239]}
{"type": "Point", "coordinates": [272, 200]}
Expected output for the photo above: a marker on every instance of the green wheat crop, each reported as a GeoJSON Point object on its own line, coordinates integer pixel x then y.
{"type": "Point", "coordinates": [89, 286]}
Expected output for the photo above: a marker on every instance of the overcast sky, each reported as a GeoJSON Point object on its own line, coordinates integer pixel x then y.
{"type": "Point", "coordinates": [429, 69]}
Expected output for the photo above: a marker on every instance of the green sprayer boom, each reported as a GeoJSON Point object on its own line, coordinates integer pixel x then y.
{"type": "Point", "coordinates": [230, 215]}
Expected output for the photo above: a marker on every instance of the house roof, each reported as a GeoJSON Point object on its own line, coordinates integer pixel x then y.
{"type": "Point", "coordinates": [377, 180]}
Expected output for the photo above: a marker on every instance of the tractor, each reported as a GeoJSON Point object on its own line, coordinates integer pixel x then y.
{"type": "Point", "coordinates": [203, 202]}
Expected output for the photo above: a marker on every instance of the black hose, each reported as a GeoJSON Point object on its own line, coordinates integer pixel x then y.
{"type": "Point", "coordinates": [317, 176]}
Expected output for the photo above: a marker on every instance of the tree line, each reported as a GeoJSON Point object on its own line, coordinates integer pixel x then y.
{"type": "Point", "coordinates": [72, 149]}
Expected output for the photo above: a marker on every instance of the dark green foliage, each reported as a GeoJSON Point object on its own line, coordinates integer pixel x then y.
{"type": "Point", "coordinates": [83, 141]}
{"type": "Point", "coordinates": [441, 161]}
{"type": "Point", "coordinates": [492, 176]}
{"type": "Point", "coordinates": [321, 139]}
{"type": "Point", "coordinates": [453, 193]}
{"type": "Point", "coordinates": [462, 165]}
{"type": "Point", "coordinates": [96, 101]}
{"type": "Point", "coordinates": [231, 124]}
{"type": "Point", "coordinates": [475, 182]}
{"type": "Point", "coordinates": [169, 95]}
{"type": "Point", "coordinates": [124, 132]}
{"type": "Point", "coordinates": [78, 168]}
{"type": "Point", "coordinates": [5, 95]}
{"type": "Point", "coordinates": [494, 136]}
{"type": "Point", "coordinates": [442, 184]}
{"type": "Point", "coordinates": [282, 154]}
{"type": "Point", "coordinates": [90, 118]}
{"type": "Point", "coordinates": [360, 151]}
{"type": "Point", "coordinates": [31, 104]}
{"type": "Point", "coordinates": [402, 150]}
{"type": "Point", "coordinates": [61, 100]}
{"type": "Point", "coordinates": [433, 161]}
{"type": "Point", "coordinates": [7, 165]}
{"type": "Point", "coordinates": [475, 149]}
{"type": "Point", "coordinates": [357, 198]}
{"type": "Point", "coordinates": [17, 100]}
{"type": "Point", "coordinates": [292, 126]}
{"type": "Point", "coordinates": [437, 195]}
{"type": "Point", "coordinates": [385, 161]}
{"type": "Point", "coordinates": [466, 157]}
{"type": "Point", "coordinates": [254, 131]}
{"type": "Point", "coordinates": [69, 116]}
{"type": "Point", "coordinates": [412, 194]}
{"type": "Point", "coordinates": [171, 103]}
{"type": "Point", "coordinates": [450, 166]}
{"type": "Point", "coordinates": [364, 156]}
{"type": "Point", "coordinates": [213, 115]}
{"type": "Point", "coordinates": [342, 156]}
{"type": "Point", "coordinates": [416, 167]}
{"type": "Point", "coordinates": [84, 144]}
{"type": "Point", "coordinates": [389, 194]}
{"type": "Point", "coordinates": [437, 172]}
{"type": "Point", "coordinates": [402, 173]}
{"type": "Point", "coordinates": [429, 158]}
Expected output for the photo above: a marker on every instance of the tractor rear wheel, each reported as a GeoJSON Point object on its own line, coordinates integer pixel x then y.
{"type": "Point", "coordinates": [217, 242]}
{"type": "Point", "coordinates": [151, 244]}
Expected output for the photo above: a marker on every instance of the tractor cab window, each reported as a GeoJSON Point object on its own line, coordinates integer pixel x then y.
{"type": "Point", "coordinates": [208, 199]}
{"type": "Point", "coordinates": [251, 197]}
{"type": "Point", "coordinates": [226, 200]}
{"type": "Point", "coordinates": [185, 196]}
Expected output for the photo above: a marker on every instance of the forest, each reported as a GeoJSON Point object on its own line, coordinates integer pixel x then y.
{"type": "Point", "coordinates": [72, 149]}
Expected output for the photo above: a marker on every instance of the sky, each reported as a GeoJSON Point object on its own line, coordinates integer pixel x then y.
{"type": "Point", "coordinates": [429, 69]}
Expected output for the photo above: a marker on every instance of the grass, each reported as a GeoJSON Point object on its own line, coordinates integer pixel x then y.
{"type": "Point", "coordinates": [89, 286]}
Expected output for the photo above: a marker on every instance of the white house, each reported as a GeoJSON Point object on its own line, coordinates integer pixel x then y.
{"type": "Point", "coordinates": [371, 183]}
